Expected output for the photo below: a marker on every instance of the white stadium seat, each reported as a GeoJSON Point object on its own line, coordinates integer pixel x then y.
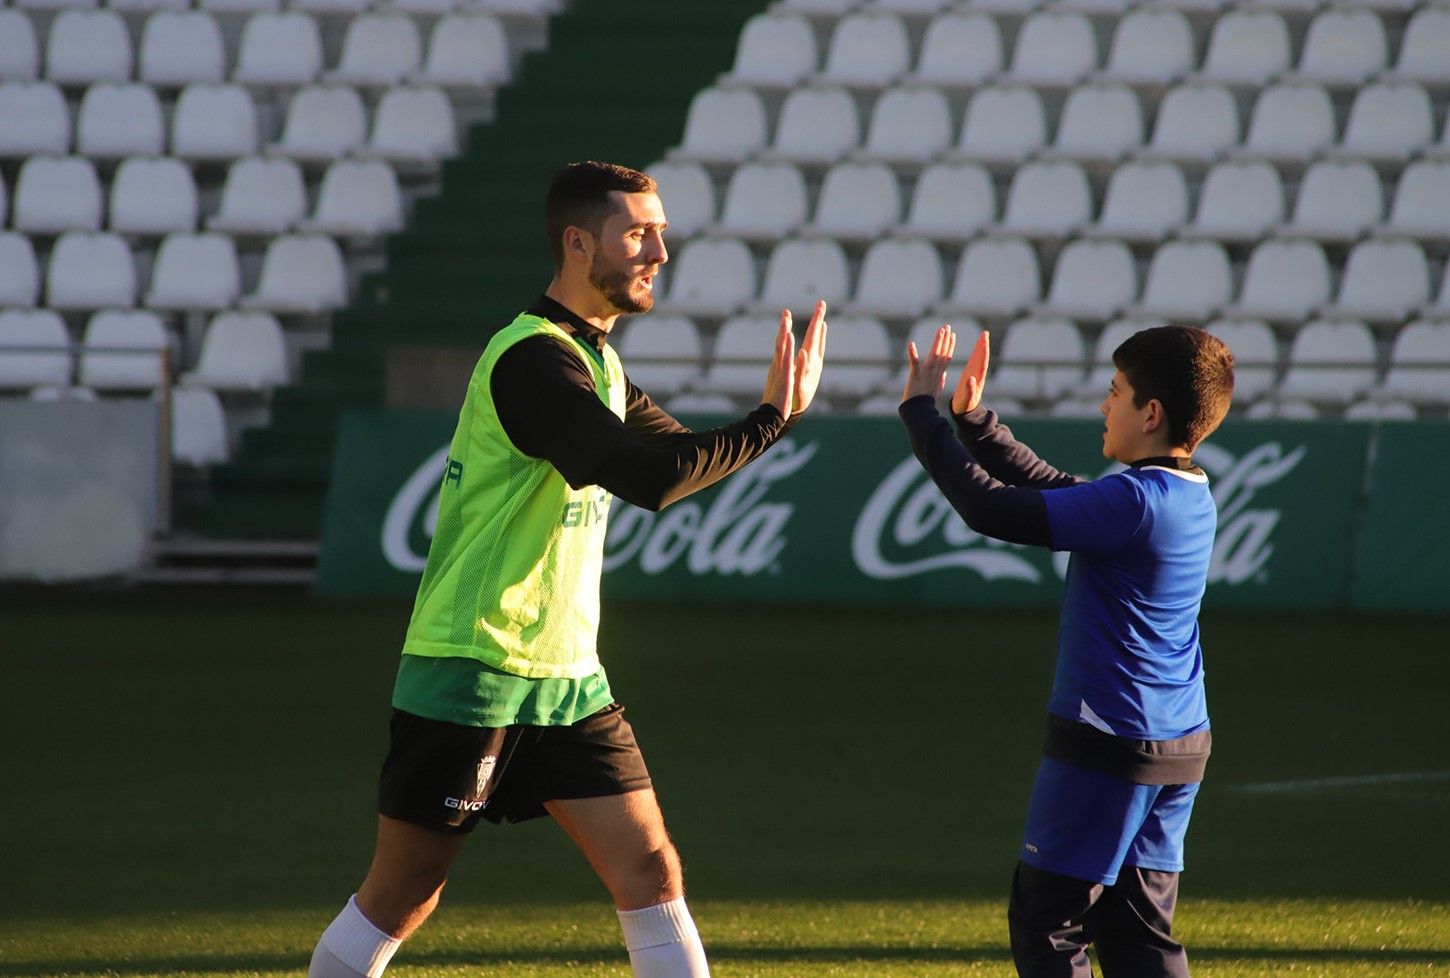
{"type": "Point", "coordinates": [378, 50]}
{"type": "Point", "coordinates": [19, 49]}
{"type": "Point", "coordinates": [860, 355]}
{"type": "Point", "coordinates": [1291, 123]}
{"type": "Point", "coordinates": [181, 47]}
{"type": "Point", "coordinates": [908, 126]}
{"type": "Point", "coordinates": [153, 196]}
{"type": "Point", "coordinates": [959, 50]}
{"type": "Point", "coordinates": [1421, 205]}
{"type": "Point", "coordinates": [1239, 201]}
{"type": "Point", "coordinates": [1272, 410]}
{"type": "Point", "coordinates": [867, 50]}
{"type": "Point", "coordinates": [1002, 125]}
{"type": "Point", "coordinates": [1100, 123]}
{"type": "Point", "coordinates": [1101, 368]}
{"type": "Point", "coordinates": [900, 277]}
{"type": "Point", "coordinates": [300, 274]}
{"type": "Point", "coordinates": [117, 120]}
{"type": "Point", "coordinates": [695, 403]}
{"type": "Point", "coordinates": [1053, 48]}
{"type": "Point", "coordinates": [1187, 280]}
{"type": "Point", "coordinates": [414, 127]}
{"type": "Point", "coordinates": [1195, 123]}
{"type": "Point", "coordinates": [711, 276]}
{"type": "Point", "coordinates": [104, 368]}
{"type": "Point", "coordinates": [1419, 369]}
{"type": "Point", "coordinates": [763, 202]}
{"type": "Point", "coordinates": [358, 198]}
{"type": "Point", "coordinates": [86, 46]}
{"type": "Point", "coordinates": [951, 202]}
{"type": "Point", "coordinates": [1343, 47]}
{"type": "Point", "coordinates": [774, 51]}
{"type": "Point", "coordinates": [57, 193]}
{"type": "Point", "coordinates": [1047, 200]}
{"type": "Point", "coordinates": [1093, 281]}
{"type": "Point", "coordinates": [1247, 47]}
{"type": "Point", "coordinates": [1329, 362]}
{"type": "Point", "coordinates": [195, 272]}
{"type": "Point", "coordinates": [19, 270]}
{"type": "Point", "coordinates": [1337, 202]}
{"type": "Point", "coordinates": [147, 6]}
{"type": "Point", "coordinates": [996, 277]}
{"type": "Point", "coordinates": [662, 354]}
{"type": "Point", "coordinates": [1388, 123]}
{"type": "Point", "coordinates": [688, 196]}
{"type": "Point", "coordinates": [858, 202]}
{"type": "Point", "coordinates": [36, 349]}
{"type": "Point", "coordinates": [743, 348]}
{"type": "Point", "coordinates": [33, 119]}
{"type": "Point", "coordinates": [90, 270]}
{"type": "Point", "coordinates": [1038, 359]}
{"type": "Point", "coordinates": [261, 197]}
{"type": "Point", "coordinates": [1383, 282]}
{"type": "Point", "coordinates": [1285, 282]}
{"type": "Point", "coordinates": [817, 125]}
{"type": "Point", "coordinates": [1377, 410]}
{"type": "Point", "coordinates": [283, 49]}
{"type": "Point", "coordinates": [1143, 203]}
{"type": "Point", "coordinates": [1151, 46]}
{"type": "Point", "coordinates": [242, 351]}
{"type": "Point", "coordinates": [198, 427]}
{"type": "Point", "coordinates": [214, 122]}
{"type": "Point", "coordinates": [801, 271]}
{"type": "Point", "coordinates": [1256, 356]}
{"type": "Point", "coordinates": [466, 50]}
{"type": "Point", "coordinates": [722, 126]}
{"type": "Point", "coordinates": [1422, 50]}
{"type": "Point", "coordinates": [323, 122]}
{"type": "Point", "coordinates": [239, 6]}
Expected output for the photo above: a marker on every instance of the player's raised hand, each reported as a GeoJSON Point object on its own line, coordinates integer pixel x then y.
{"type": "Point", "coordinates": [929, 376]}
{"type": "Point", "coordinates": [780, 378]}
{"type": "Point", "coordinates": [974, 377]}
{"type": "Point", "coordinates": [810, 358]}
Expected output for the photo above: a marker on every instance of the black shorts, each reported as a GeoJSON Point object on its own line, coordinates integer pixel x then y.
{"type": "Point", "coordinates": [446, 776]}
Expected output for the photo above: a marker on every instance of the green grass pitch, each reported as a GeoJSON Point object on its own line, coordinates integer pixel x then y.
{"type": "Point", "coordinates": [188, 782]}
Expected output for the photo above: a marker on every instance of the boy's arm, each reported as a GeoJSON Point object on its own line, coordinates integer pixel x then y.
{"type": "Point", "coordinates": [1003, 456]}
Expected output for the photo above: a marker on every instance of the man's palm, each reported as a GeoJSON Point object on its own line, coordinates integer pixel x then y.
{"type": "Point", "coordinates": [974, 378]}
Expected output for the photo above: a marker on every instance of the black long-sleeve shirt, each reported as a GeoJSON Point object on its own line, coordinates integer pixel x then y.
{"type": "Point", "coordinates": [547, 404]}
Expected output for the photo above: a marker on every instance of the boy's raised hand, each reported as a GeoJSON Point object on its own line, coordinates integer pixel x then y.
{"type": "Point", "coordinates": [974, 377]}
{"type": "Point", "coordinates": [929, 376]}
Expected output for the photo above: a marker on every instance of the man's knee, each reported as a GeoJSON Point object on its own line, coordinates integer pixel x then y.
{"type": "Point", "coordinates": [653, 875]}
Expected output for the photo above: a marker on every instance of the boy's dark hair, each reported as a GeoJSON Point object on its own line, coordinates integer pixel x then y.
{"type": "Point", "coordinates": [1189, 371]}
{"type": "Point", "coordinates": [579, 197]}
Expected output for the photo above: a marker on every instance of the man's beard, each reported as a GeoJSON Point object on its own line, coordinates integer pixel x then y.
{"type": "Point", "coordinates": [614, 286]}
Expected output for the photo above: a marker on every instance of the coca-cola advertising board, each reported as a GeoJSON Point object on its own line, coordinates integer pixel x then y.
{"type": "Point", "coordinates": [841, 511]}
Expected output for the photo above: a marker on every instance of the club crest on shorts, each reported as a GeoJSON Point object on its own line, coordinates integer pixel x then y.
{"type": "Point", "coordinates": [485, 771]}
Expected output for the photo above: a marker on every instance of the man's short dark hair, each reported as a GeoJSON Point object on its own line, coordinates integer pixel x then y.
{"type": "Point", "coordinates": [579, 197]}
{"type": "Point", "coordinates": [1188, 370]}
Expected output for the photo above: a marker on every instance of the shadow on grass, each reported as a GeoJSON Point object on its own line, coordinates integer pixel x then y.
{"type": "Point", "coordinates": [819, 954]}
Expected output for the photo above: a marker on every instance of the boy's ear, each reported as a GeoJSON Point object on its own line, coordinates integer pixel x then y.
{"type": "Point", "coordinates": [1155, 418]}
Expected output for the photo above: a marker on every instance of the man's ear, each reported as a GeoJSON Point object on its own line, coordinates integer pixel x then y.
{"type": "Point", "coordinates": [578, 244]}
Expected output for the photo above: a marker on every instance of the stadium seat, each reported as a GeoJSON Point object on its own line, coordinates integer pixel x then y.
{"type": "Point", "coordinates": [801, 271]}
{"type": "Point", "coordinates": [662, 354]}
{"type": "Point", "coordinates": [996, 278]}
{"type": "Point", "coordinates": [1151, 46]}
{"type": "Point", "coordinates": [1038, 359]}
{"type": "Point", "coordinates": [198, 427]}
{"type": "Point", "coordinates": [414, 128]}
{"type": "Point", "coordinates": [858, 202]}
{"type": "Point", "coordinates": [694, 403]}
{"type": "Point", "coordinates": [213, 123]}
{"type": "Point", "coordinates": [951, 202]}
{"type": "Point", "coordinates": [90, 270]}
{"type": "Point", "coordinates": [37, 348]}
{"type": "Point", "coordinates": [117, 120]}
{"type": "Point", "coordinates": [1248, 48]}
{"type": "Point", "coordinates": [1383, 282]}
{"type": "Point", "coordinates": [153, 196]}
{"type": "Point", "coordinates": [378, 50]}
{"type": "Point", "coordinates": [1421, 207]}
{"type": "Point", "coordinates": [1046, 200]}
{"type": "Point", "coordinates": [919, 8]}
{"type": "Point", "coordinates": [1378, 410]}
{"type": "Point", "coordinates": [181, 48]}
{"type": "Point", "coordinates": [1256, 356]}
{"type": "Point", "coordinates": [323, 123]}
{"type": "Point", "coordinates": [817, 125]}
{"type": "Point", "coordinates": [909, 126]}
{"type": "Point", "coordinates": [763, 202]}
{"type": "Point", "coordinates": [466, 51]}
{"type": "Point", "coordinates": [722, 126]}
{"type": "Point", "coordinates": [419, 8]}
{"type": "Point", "coordinates": [1054, 49]}
{"type": "Point", "coordinates": [860, 356]}
{"type": "Point", "coordinates": [1291, 124]}
{"type": "Point", "coordinates": [826, 9]}
{"type": "Point", "coordinates": [57, 193]}
{"type": "Point", "coordinates": [900, 278]}
{"type": "Point", "coordinates": [239, 6]}
{"type": "Point", "coordinates": [1337, 202]}
{"type": "Point", "coordinates": [688, 196]}
{"type": "Point", "coordinates": [1101, 368]}
{"type": "Point", "coordinates": [19, 50]}
{"type": "Point", "coordinates": [104, 368]}
{"type": "Point", "coordinates": [1093, 281]}
{"type": "Point", "coordinates": [1422, 49]}
{"type": "Point", "coordinates": [1143, 203]}
{"type": "Point", "coordinates": [1187, 280]}
{"type": "Point", "coordinates": [147, 6]}
{"type": "Point", "coordinates": [261, 197]}
{"type": "Point", "coordinates": [1003, 125]}
{"type": "Point", "coordinates": [19, 270]}
{"type": "Point", "coordinates": [711, 276]}
{"type": "Point", "coordinates": [358, 198]}
{"type": "Point", "coordinates": [1343, 47]}
{"type": "Point", "coordinates": [1274, 410]}
{"type": "Point", "coordinates": [300, 274]}
{"type": "Point", "coordinates": [195, 272]}
{"type": "Point", "coordinates": [775, 50]}
{"type": "Point", "coordinates": [742, 353]}
{"type": "Point", "coordinates": [1419, 365]}
{"type": "Point", "coordinates": [1100, 124]}
{"type": "Point", "coordinates": [242, 351]}
{"type": "Point", "coordinates": [867, 50]}
{"type": "Point", "coordinates": [960, 50]}
{"type": "Point", "coordinates": [1285, 282]}
{"type": "Point", "coordinates": [33, 119]}
{"type": "Point", "coordinates": [86, 46]}
{"type": "Point", "coordinates": [1388, 123]}
{"type": "Point", "coordinates": [281, 49]}
{"type": "Point", "coordinates": [1329, 363]}
{"type": "Point", "coordinates": [1003, 8]}
{"type": "Point", "coordinates": [1076, 407]}
{"type": "Point", "coordinates": [1239, 201]}
{"type": "Point", "coordinates": [1195, 123]}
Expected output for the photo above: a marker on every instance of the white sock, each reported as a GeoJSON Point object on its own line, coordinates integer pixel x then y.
{"type": "Point", "coordinates": [663, 942]}
{"type": "Point", "coordinates": [352, 947]}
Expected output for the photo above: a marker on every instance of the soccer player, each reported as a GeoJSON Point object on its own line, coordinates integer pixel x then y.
{"type": "Point", "coordinates": [1127, 731]}
{"type": "Point", "coordinates": [501, 707]}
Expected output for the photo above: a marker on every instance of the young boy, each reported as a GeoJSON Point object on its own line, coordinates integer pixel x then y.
{"type": "Point", "coordinates": [1128, 732]}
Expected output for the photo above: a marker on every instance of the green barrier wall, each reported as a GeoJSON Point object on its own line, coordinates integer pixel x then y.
{"type": "Point", "coordinates": [841, 511]}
